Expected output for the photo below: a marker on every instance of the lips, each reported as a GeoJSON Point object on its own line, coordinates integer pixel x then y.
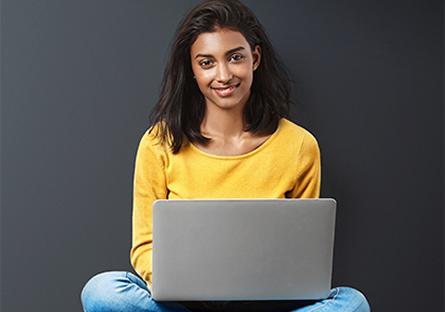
{"type": "Point", "coordinates": [225, 91]}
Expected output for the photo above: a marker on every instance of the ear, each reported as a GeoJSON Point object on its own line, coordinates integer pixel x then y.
{"type": "Point", "coordinates": [256, 57]}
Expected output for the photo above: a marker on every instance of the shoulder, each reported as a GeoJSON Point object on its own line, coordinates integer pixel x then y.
{"type": "Point", "coordinates": [296, 133]}
{"type": "Point", "coordinates": [153, 136]}
{"type": "Point", "coordinates": [303, 142]}
{"type": "Point", "coordinates": [149, 138]}
{"type": "Point", "coordinates": [151, 145]}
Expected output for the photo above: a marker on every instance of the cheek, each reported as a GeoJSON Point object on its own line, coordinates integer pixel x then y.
{"type": "Point", "coordinates": [203, 82]}
{"type": "Point", "coordinates": [244, 72]}
{"type": "Point", "coordinates": [203, 77]}
{"type": "Point", "coordinates": [246, 78]}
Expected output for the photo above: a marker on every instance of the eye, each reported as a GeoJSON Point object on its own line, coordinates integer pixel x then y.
{"type": "Point", "coordinates": [205, 63]}
{"type": "Point", "coordinates": [237, 57]}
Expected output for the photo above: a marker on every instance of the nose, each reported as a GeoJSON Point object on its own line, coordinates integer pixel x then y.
{"type": "Point", "coordinates": [223, 73]}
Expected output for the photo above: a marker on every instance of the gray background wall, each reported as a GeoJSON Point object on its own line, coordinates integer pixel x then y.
{"type": "Point", "coordinates": [78, 81]}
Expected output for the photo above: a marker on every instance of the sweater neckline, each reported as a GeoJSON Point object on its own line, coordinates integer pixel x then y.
{"type": "Point", "coordinates": [252, 152]}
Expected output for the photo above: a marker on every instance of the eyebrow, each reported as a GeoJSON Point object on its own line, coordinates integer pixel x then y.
{"type": "Point", "coordinates": [227, 53]}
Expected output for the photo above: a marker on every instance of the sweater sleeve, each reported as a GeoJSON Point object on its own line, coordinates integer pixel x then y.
{"type": "Point", "coordinates": [149, 184]}
{"type": "Point", "coordinates": [308, 178]}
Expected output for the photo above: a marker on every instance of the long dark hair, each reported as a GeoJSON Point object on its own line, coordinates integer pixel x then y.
{"type": "Point", "coordinates": [181, 106]}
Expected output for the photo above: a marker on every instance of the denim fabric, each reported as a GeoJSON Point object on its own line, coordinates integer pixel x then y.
{"type": "Point", "coordinates": [125, 292]}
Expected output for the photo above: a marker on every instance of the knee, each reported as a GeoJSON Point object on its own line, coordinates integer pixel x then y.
{"type": "Point", "coordinates": [356, 300]}
{"type": "Point", "coordinates": [98, 294]}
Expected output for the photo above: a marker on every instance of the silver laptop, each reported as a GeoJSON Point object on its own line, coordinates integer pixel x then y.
{"type": "Point", "coordinates": [242, 249]}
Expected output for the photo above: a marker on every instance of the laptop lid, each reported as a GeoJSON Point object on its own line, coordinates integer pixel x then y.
{"type": "Point", "coordinates": [242, 249]}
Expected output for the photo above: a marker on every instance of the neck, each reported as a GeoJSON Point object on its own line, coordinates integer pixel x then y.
{"type": "Point", "coordinates": [223, 123]}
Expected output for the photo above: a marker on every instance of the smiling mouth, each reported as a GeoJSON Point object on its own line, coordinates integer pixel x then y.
{"type": "Point", "coordinates": [225, 88]}
{"type": "Point", "coordinates": [226, 91]}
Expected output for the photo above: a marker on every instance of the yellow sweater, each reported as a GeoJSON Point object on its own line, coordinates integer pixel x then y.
{"type": "Point", "coordinates": [286, 165]}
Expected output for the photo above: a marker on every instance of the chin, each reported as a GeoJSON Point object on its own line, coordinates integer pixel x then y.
{"type": "Point", "coordinates": [229, 104]}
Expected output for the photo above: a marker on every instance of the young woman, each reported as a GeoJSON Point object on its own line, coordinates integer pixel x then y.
{"type": "Point", "coordinates": [219, 130]}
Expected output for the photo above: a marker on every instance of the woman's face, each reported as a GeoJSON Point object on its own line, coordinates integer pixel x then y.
{"type": "Point", "coordinates": [223, 64]}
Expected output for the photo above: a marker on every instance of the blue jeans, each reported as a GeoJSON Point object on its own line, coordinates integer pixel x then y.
{"type": "Point", "coordinates": [125, 292]}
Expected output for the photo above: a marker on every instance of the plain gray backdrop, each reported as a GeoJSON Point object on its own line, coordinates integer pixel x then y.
{"type": "Point", "coordinates": [79, 78]}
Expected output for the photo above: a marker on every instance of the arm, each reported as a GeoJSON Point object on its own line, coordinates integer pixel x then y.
{"type": "Point", "coordinates": [149, 185]}
{"type": "Point", "coordinates": [309, 170]}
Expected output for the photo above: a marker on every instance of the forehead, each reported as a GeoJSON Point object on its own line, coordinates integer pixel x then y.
{"type": "Point", "coordinates": [218, 42]}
